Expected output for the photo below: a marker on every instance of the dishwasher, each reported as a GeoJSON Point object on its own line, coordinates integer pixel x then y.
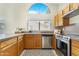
{"type": "Point", "coordinates": [47, 41]}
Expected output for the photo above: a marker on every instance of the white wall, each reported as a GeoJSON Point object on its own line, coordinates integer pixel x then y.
{"type": "Point", "coordinates": [11, 16]}
{"type": "Point", "coordinates": [16, 15]}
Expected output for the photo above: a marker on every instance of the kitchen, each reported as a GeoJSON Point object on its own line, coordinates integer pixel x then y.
{"type": "Point", "coordinates": [39, 29]}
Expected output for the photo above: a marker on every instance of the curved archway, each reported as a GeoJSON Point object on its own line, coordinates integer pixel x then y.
{"type": "Point", "coordinates": [39, 8]}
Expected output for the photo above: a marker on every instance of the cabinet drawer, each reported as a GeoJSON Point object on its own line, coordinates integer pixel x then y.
{"type": "Point", "coordinates": [75, 43]}
{"type": "Point", "coordinates": [75, 51]}
{"type": "Point", "coordinates": [20, 37]}
{"type": "Point", "coordinates": [8, 42]}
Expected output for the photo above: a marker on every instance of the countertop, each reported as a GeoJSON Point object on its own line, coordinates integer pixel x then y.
{"type": "Point", "coordinates": [7, 36]}
{"type": "Point", "coordinates": [73, 36]}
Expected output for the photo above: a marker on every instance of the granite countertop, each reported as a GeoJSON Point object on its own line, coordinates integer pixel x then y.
{"type": "Point", "coordinates": [6, 36]}
{"type": "Point", "coordinates": [39, 33]}
{"type": "Point", "coordinates": [73, 36]}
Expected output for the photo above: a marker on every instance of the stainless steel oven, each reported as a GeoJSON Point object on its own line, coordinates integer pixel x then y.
{"type": "Point", "coordinates": [63, 45]}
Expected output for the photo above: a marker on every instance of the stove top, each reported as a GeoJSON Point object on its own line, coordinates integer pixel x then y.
{"type": "Point", "coordinates": [63, 38]}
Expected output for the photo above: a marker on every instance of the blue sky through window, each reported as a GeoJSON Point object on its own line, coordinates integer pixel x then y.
{"type": "Point", "coordinates": [38, 8]}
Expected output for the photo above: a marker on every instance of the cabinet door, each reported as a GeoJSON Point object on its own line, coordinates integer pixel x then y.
{"type": "Point", "coordinates": [29, 41]}
{"type": "Point", "coordinates": [74, 6]}
{"type": "Point", "coordinates": [54, 42]}
{"type": "Point", "coordinates": [59, 21]}
{"type": "Point", "coordinates": [60, 14]}
{"type": "Point", "coordinates": [20, 45]}
{"type": "Point", "coordinates": [75, 51]}
{"type": "Point", "coordinates": [32, 41]}
{"type": "Point", "coordinates": [56, 21]}
{"type": "Point", "coordinates": [66, 9]}
{"type": "Point", "coordinates": [10, 50]}
{"type": "Point", "coordinates": [38, 42]}
{"type": "Point", "coordinates": [75, 47]}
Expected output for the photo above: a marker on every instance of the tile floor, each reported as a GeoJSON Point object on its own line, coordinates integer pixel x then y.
{"type": "Point", "coordinates": [39, 52]}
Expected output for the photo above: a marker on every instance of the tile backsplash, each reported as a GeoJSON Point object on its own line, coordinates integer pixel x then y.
{"type": "Point", "coordinates": [74, 29]}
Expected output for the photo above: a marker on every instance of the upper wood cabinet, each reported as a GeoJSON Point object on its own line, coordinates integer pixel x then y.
{"type": "Point", "coordinates": [56, 21]}
{"type": "Point", "coordinates": [32, 41]}
{"type": "Point", "coordinates": [73, 6]}
{"type": "Point", "coordinates": [66, 9]}
{"type": "Point", "coordinates": [71, 10]}
{"type": "Point", "coordinates": [74, 47]}
{"type": "Point", "coordinates": [60, 21]}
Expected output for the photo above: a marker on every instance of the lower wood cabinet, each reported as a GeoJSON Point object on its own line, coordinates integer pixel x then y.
{"type": "Point", "coordinates": [32, 41]}
{"type": "Point", "coordinates": [20, 45]}
{"type": "Point", "coordinates": [54, 42]}
{"type": "Point", "coordinates": [9, 47]}
{"type": "Point", "coordinates": [10, 50]}
{"type": "Point", "coordinates": [74, 47]}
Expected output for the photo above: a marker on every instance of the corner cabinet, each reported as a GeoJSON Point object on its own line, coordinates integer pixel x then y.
{"type": "Point", "coordinates": [60, 21]}
{"type": "Point", "coordinates": [32, 41]}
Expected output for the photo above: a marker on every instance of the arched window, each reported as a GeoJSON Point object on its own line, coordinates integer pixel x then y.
{"type": "Point", "coordinates": [39, 8]}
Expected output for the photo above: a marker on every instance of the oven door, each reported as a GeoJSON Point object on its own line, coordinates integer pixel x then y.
{"type": "Point", "coordinates": [58, 44]}
{"type": "Point", "coordinates": [64, 48]}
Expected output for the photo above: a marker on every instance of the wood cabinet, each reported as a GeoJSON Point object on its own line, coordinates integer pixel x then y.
{"type": "Point", "coordinates": [74, 47]}
{"type": "Point", "coordinates": [20, 44]}
{"type": "Point", "coordinates": [71, 10]}
{"type": "Point", "coordinates": [60, 14]}
{"type": "Point", "coordinates": [9, 48]}
{"type": "Point", "coordinates": [8, 42]}
{"type": "Point", "coordinates": [66, 9]}
{"type": "Point", "coordinates": [56, 21]}
{"type": "Point", "coordinates": [32, 41]}
{"type": "Point", "coordinates": [54, 42]}
{"type": "Point", "coordinates": [60, 21]}
{"type": "Point", "coordinates": [74, 6]}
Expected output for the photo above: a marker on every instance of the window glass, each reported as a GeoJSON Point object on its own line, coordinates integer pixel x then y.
{"type": "Point", "coordinates": [39, 8]}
